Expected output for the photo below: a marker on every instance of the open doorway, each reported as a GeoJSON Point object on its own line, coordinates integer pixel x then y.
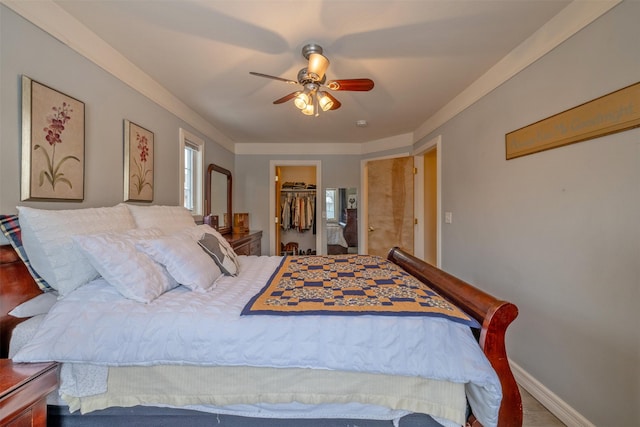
{"type": "Point", "coordinates": [295, 185]}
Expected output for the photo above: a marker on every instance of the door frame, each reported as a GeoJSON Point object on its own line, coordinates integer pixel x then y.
{"type": "Point", "coordinates": [272, 200]}
{"type": "Point", "coordinates": [418, 154]}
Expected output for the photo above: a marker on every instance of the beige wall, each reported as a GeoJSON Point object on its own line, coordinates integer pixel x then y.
{"type": "Point", "coordinates": [306, 174]}
{"type": "Point", "coordinates": [557, 232]}
{"type": "Point", "coordinates": [252, 177]}
{"type": "Point", "coordinates": [25, 49]}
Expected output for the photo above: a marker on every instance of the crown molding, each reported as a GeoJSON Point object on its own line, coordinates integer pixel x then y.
{"type": "Point", "coordinates": [402, 141]}
{"type": "Point", "coordinates": [54, 20]}
{"type": "Point", "coordinates": [327, 148]}
{"type": "Point", "coordinates": [577, 15]}
{"type": "Point", "coordinates": [59, 24]}
{"type": "Point", "coordinates": [283, 148]}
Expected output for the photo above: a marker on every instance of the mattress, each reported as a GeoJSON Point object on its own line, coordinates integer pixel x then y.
{"type": "Point", "coordinates": [247, 392]}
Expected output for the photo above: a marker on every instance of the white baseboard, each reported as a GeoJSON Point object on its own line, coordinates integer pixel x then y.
{"type": "Point", "coordinates": [548, 399]}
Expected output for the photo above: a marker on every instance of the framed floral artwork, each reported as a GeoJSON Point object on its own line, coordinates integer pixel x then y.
{"type": "Point", "coordinates": [138, 163]}
{"type": "Point", "coordinates": [52, 144]}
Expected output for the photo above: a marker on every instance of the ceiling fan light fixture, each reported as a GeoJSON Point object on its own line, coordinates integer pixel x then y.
{"type": "Point", "coordinates": [325, 102]}
{"type": "Point", "coordinates": [318, 65]}
{"type": "Point", "coordinates": [309, 110]}
{"type": "Point", "coordinates": [303, 99]}
{"type": "Point", "coordinates": [310, 100]}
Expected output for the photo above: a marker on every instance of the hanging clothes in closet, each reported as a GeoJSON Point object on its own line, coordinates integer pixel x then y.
{"type": "Point", "coordinates": [298, 210]}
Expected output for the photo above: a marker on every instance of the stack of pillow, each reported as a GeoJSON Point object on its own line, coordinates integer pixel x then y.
{"type": "Point", "coordinates": [142, 251]}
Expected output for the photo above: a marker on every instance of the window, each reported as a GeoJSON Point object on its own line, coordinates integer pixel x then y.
{"type": "Point", "coordinates": [192, 177]}
{"type": "Point", "coordinates": [331, 195]}
{"type": "Point", "coordinates": [190, 157]}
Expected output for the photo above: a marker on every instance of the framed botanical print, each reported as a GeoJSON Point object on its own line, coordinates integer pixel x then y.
{"type": "Point", "coordinates": [138, 163]}
{"type": "Point", "coordinates": [52, 144]}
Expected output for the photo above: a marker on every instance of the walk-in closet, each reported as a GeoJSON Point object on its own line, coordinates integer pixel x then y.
{"type": "Point", "coordinates": [297, 205]}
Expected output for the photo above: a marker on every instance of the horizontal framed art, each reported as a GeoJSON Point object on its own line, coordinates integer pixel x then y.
{"type": "Point", "coordinates": [138, 163]}
{"type": "Point", "coordinates": [52, 144]}
{"type": "Point", "coordinates": [615, 112]}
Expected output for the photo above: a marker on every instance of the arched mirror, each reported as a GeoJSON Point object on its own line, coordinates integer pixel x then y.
{"type": "Point", "coordinates": [217, 189]}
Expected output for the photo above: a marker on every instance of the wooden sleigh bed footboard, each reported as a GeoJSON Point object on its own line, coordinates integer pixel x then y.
{"type": "Point", "coordinates": [17, 286]}
{"type": "Point", "coordinates": [493, 314]}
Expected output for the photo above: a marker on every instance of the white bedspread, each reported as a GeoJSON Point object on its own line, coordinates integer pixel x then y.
{"type": "Point", "coordinates": [95, 324]}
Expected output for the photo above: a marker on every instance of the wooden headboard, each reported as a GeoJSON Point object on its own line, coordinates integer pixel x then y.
{"type": "Point", "coordinates": [16, 287]}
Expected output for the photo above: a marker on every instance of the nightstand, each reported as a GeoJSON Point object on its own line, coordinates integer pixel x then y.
{"type": "Point", "coordinates": [23, 392]}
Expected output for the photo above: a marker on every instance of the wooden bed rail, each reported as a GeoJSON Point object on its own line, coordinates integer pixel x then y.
{"type": "Point", "coordinates": [493, 314]}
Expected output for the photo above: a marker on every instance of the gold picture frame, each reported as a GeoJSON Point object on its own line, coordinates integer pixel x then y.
{"type": "Point", "coordinates": [614, 112]}
{"type": "Point", "coordinates": [52, 144]}
{"type": "Point", "coordinates": [138, 163]}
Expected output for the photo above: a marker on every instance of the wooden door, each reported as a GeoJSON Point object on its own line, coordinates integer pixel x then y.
{"type": "Point", "coordinates": [390, 205]}
{"type": "Point", "coordinates": [277, 213]}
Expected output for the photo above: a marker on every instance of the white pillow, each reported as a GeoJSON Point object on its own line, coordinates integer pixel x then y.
{"type": "Point", "coordinates": [40, 304]}
{"type": "Point", "coordinates": [198, 232]}
{"type": "Point", "coordinates": [185, 261]}
{"type": "Point", "coordinates": [132, 273]}
{"type": "Point", "coordinates": [46, 237]}
{"type": "Point", "coordinates": [169, 219]}
{"type": "Point", "coordinates": [219, 253]}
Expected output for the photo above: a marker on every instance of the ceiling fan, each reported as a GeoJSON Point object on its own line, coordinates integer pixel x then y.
{"type": "Point", "coordinates": [311, 98]}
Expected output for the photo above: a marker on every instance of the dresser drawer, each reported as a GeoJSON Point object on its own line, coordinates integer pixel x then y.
{"type": "Point", "coordinates": [244, 249]}
{"type": "Point", "coordinates": [255, 247]}
{"type": "Point", "coordinates": [247, 243]}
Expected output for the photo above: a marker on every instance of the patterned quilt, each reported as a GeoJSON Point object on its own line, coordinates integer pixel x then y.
{"type": "Point", "coordinates": [349, 285]}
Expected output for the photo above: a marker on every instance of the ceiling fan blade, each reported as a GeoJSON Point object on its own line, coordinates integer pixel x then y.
{"type": "Point", "coordinates": [273, 77]}
{"type": "Point", "coordinates": [351, 84]}
{"type": "Point", "coordinates": [336, 103]}
{"type": "Point", "coordinates": [286, 97]}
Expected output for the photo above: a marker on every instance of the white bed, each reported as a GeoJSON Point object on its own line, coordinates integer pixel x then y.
{"type": "Point", "coordinates": [188, 337]}
{"type": "Point", "coordinates": [335, 235]}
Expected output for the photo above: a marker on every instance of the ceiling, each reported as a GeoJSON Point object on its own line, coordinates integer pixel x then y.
{"type": "Point", "coordinates": [420, 54]}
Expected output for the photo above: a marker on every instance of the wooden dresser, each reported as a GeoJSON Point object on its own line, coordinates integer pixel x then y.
{"type": "Point", "coordinates": [351, 227]}
{"type": "Point", "coordinates": [246, 243]}
{"type": "Point", "coordinates": [23, 392]}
